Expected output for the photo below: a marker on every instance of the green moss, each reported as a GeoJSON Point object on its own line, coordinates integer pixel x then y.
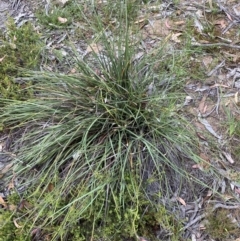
{"type": "Point", "coordinates": [8, 231]}
{"type": "Point", "coordinates": [220, 226]}
{"type": "Point", "coordinates": [114, 221]}
{"type": "Point", "coordinates": [11, 226]}
{"type": "Point", "coordinates": [20, 49]}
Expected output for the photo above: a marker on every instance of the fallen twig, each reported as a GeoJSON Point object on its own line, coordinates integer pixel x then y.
{"type": "Point", "coordinates": [217, 45]}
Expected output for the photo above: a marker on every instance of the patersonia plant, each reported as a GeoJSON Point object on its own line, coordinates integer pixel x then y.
{"type": "Point", "coordinates": [96, 148]}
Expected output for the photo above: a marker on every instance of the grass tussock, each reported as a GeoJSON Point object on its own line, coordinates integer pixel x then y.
{"type": "Point", "coordinates": [98, 151]}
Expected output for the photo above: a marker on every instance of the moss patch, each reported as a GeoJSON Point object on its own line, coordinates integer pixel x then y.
{"type": "Point", "coordinates": [220, 226]}
{"type": "Point", "coordinates": [114, 221]}
{"type": "Point", "coordinates": [20, 49]}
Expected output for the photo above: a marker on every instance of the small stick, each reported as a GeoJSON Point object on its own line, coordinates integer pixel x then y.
{"type": "Point", "coordinates": [217, 45]}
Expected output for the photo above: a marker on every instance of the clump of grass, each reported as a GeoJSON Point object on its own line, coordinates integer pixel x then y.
{"type": "Point", "coordinates": [58, 16]}
{"type": "Point", "coordinates": [100, 147]}
{"type": "Point", "coordinates": [233, 131]}
{"type": "Point", "coordinates": [109, 11]}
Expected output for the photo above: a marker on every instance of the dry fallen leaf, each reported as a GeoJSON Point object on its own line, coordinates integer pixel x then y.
{"type": "Point", "coordinates": [227, 197]}
{"type": "Point", "coordinates": [2, 144]}
{"type": "Point", "coordinates": [207, 60]}
{"type": "Point", "coordinates": [167, 24]}
{"type": "Point", "coordinates": [237, 190]}
{"type": "Point", "coordinates": [227, 102]}
{"type": "Point", "coordinates": [203, 165]}
{"type": "Point", "coordinates": [16, 224]}
{"type": "Point", "coordinates": [62, 20]}
{"type": "Point", "coordinates": [62, 2]}
{"type": "Point", "coordinates": [2, 202]}
{"type": "Point", "coordinates": [202, 226]}
{"type": "Point", "coordinates": [206, 162]}
{"type": "Point", "coordinates": [202, 104]}
{"type": "Point", "coordinates": [175, 38]}
{"type": "Point", "coordinates": [219, 85]}
{"type": "Point", "coordinates": [179, 23]}
{"type": "Point", "coordinates": [11, 184]}
{"type": "Point", "coordinates": [93, 48]}
{"type": "Point", "coordinates": [6, 168]}
{"type": "Point", "coordinates": [208, 127]}
{"type": "Point", "coordinates": [181, 201]}
{"type": "Point", "coordinates": [221, 22]}
{"type": "Point", "coordinates": [204, 157]}
{"type": "Point", "coordinates": [138, 56]}
{"type": "Point", "coordinates": [73, 71]}
{"type": "Point", "coordinates": [159, 28]}
{"type": "Point", "coordinates": [196, 166]}
{"type": "Point", "coordinates": [236, 98]}
{"type": "Point", "coordinates": [209, 193]}
{"type": "Point", "coordinates": [24, 204]}
{"type": "Point", "coordinates": [229, 16]}
{"type": "Point", "coordinates": [12, 46]}
{"type": "Point", "coordinates": [140, 20]}
{"type": "Point", "coordinates": [188, 100]}
{"type": "Point", "coordinates": [12, 207]}
{"type": "Point", "coordinates": [50, 187]}
{"type": "Point", "coordinates": [210, 4]}
{"type": "Point", "coordinates": [228, 157]}
{"type": "Point", "coordinates": [200, 136]}
{"type": "Point", "coordinates": [1, 59]}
